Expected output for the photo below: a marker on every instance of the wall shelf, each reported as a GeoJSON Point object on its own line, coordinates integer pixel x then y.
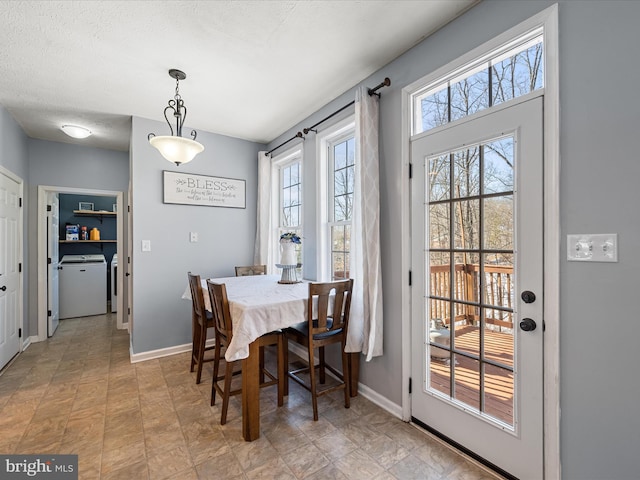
{"type": "Point", "coordinates": [77, 242]}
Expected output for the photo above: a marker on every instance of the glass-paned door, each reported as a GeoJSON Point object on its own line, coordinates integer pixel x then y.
{"type": "Point", "coordinates": [476, 248]}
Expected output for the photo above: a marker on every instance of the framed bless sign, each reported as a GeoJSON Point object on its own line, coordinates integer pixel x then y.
{"type": "Point", "coordinates": [192, 189]}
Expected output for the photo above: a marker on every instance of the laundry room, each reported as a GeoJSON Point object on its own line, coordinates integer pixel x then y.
{"type": "Point", "coordinates": [87, 255]}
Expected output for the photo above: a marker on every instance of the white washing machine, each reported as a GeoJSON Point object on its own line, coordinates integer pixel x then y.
{"type": "Point", "coordinates": [114, 283]}
{"type": "Point", "coordinates": [82, 285]}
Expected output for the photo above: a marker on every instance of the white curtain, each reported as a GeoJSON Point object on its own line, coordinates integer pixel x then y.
{"type": "Point", "coordinates": [365, 327]}
{"type": "Point", "coordinates": [263, 254]}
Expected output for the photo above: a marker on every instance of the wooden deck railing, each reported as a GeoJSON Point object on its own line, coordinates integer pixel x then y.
{"type": "Point", "coordinates": [497, 291]}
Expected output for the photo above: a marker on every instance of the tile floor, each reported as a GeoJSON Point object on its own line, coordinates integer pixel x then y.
{"type": "Point", "coordinates": [78, 393]}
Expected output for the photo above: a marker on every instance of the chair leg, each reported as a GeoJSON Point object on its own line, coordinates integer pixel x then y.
{"type": "Point", "coordinates": [282, 375]}
{"type": "Point", "coordinates": [346, 376]}
{"type": "Point", "coordinates": [323, 376]}
{"type": "Point", "coordinates": [285, 365]}
{"type": "Point", "coordinates": [194, 342]}
{"type": "Point", "coordinates": [201, 345]}
{"type": "Point", "coordinates": [216, 369]}
{"type": "Point", "coordinates": [312, 378]}
{"type": "Point", "coordinates": [227, 390]}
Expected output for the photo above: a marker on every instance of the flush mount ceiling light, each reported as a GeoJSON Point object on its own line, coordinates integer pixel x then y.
{"type": "Point", "coordinates": [75, 131]}
{"type": "Point", "coordinates": [175, 147]}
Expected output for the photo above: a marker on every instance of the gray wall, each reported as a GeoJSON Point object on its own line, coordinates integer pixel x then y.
{"type": "Point", "coordinates": [599, 75]}
{"type": "Point", "coordinates": [226, 235]}
{"type": "Point", "coordinates": [66, 165]}
{"type": "Point", "coordinates": [13, 157]}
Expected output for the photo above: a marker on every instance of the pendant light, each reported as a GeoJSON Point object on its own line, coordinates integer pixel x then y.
{"type": "Point", "coordinates": [175, 147]}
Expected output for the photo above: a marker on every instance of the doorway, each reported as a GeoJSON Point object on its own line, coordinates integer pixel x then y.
{"type": "Point", "coordinates": [477, 259]}
{"type": "Point", "coordinates": [44, 195]}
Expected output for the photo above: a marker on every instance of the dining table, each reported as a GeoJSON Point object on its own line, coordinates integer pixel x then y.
{"type": "Point", "coordinates": [260, 304]}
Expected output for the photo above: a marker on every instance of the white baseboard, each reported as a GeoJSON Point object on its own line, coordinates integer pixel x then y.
{"type": "Point", "coordinates": [28, 341]}
{"type": "Point", "coordinates": [164, 352]}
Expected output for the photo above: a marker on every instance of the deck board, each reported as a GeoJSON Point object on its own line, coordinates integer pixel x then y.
{"type": "Point", "coordinates": [499, 384]}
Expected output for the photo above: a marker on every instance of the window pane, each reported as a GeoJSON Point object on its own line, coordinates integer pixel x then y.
{"type": "Point", "coordinates": [499, 393]}
{"type": "Point", "coordinates": [439, 280]}
{"type": "Point", "coordinates": [295, 174]}
{"type": "Point", "coordinates": [467, 277]}
{"type": "Point", "coordinates": [439, 235]}
{"type": "Point", "coordinates": [518, 75]}
{"type": "Point", "coordinates": [498, 223]}
{"type": "Point", "coordinates": [339, 156]}
{"type": "Point", "coordinates": [435, 110]}
{"type": "Point", "coordinates": [340, 182]}
{"type": "Point", "coordinates": [498, 166]}
{"type": "Point", "coordinates": [438, 178]}
{"type": "Point", "coordinates": [466, 221]}
{"type": "Point", "coordinates": [295, 216]}
{"type": "Point", "coordinates": [470, 95]}
{"type": "Point", "coordinates": [466, 170]}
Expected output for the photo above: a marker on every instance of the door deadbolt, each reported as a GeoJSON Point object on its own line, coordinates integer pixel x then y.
{"type": "Point", "coordinates": [528, 325]}
{"type": "Point", "coordinates": [528, 296]}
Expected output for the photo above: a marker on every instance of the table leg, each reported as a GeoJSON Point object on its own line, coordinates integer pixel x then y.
{"type": "Point", "coordinates": [251, 394]}
{"type": "Point", "coordinates": [354, 372]}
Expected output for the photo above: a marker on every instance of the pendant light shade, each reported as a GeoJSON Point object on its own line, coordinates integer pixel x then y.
{"type": "Point", "coordinates": [178, 150]}
{"type": "Point", "coordinates": [175, 147]}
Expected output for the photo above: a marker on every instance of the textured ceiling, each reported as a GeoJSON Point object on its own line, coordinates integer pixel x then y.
{"type": "Point", "coordinates": [254, 68]}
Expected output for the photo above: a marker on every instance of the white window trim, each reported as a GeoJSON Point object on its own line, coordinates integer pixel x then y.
{"type": "Point", "coordinates": [277, 163]}
{"type": "Point", "coordinates": [548, 20]}
{"type": "Point", "coordinates": [323, 140]}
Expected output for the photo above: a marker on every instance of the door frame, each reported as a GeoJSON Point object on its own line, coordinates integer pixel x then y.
{"type": "Point", "coordinates": [43, 191]}
{"type": "Point", "coordinates": [24, 341]}
{"type": "Point", "coordinates": [548, 20]}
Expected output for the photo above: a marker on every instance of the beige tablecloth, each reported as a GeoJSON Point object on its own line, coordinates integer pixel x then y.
{"type": "Point", "coordinates": [259, 304]}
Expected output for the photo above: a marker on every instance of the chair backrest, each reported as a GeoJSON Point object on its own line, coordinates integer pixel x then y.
{"type": "Point", "coordinates": [251, 270]}
{"type": "Point", "coordinates": [335, 294]}
{"type": "Point", "coordinates": [220, 309]}
{"type": "Point", "coordinates": [197, 298]}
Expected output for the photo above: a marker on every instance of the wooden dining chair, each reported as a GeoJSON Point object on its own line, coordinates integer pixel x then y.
{"type": "Point", "coordinates": [201, 322]}
{"type": "Point", "coordinates": [325, 325]}
{"type": "Point", "coordinates": [224, 334]}
{"type": "Point", "coordinates": [251, 270]}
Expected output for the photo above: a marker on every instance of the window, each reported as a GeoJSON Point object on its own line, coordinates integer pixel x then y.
{"type": "Point", "coordinates": [509, 72]}
{"type": "Point", "coordinates": [336, 153]}
{"type": "Point", "coordinates": [341, 174]}
{"type": "Point", "coordinates": [287, 179]}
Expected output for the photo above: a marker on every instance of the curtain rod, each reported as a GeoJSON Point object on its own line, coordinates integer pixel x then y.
{"type": "Point", "coordinates": [372, 91]}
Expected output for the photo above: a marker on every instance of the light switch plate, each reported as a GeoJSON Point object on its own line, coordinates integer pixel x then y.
{"type": "Point", "coordinates": [193, 237]}
{"type": "Point", "coordinates": [146, 245]}
{"type": "Point", "coordinates": [592, 247]}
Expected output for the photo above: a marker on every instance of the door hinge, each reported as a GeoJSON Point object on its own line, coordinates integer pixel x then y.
{"type": "Point", "coordinates": [19, 333]}
{"type": "Point", "coordinates": [48, 208]}
{"type": "Point", "coordinates": [128, 259]}
{"type": "Point", "coordinates": [20, 202]}
{"type": "Point", "coordinates": [128, 208]}
{"type": "Point", "coordinates": [128, 311]}
{"type": "Point", "coordinates": [410, 170]}
{"type": "Point", "coordinates": [48, 313]}
{"type": "Point", "coordinates": [410, 278]}
{"type": "Point", "coordinates": [48, 261]}
{"type": "Point", "coordinates": [20, 267]}
{"type": "Point", "coordinates": [410, 386]}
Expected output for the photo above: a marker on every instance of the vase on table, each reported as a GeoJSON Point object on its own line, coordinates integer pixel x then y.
{"type": "Point", "coordinates": [288, 254]}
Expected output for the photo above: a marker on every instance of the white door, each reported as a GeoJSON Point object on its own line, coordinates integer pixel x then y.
{"type": "Point", "coordinates": [53, 248]}
{"type": "Point", "coordinates": [477, 290]}
{"type": "Point", "coordinates": [10, 239]}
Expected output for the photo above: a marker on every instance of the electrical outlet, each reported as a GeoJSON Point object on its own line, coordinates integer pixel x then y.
{"type": "Point", "coordinates": [193, 237]}
{"type": "Point", "coordinates": [588, 247]}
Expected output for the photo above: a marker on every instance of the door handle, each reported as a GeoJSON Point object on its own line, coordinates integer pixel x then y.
{"type": "Point", "coordinates": [3, 288]}
{"type": "Point", "coordinates": [528, 325]}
